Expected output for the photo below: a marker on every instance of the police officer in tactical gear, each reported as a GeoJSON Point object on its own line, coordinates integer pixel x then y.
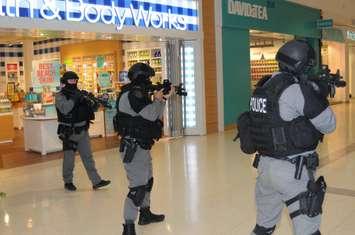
{"type": "Point", "coordinates": [288, 117]}
{"type": "Point", "coordinates": [75, 112]}
{"type": "Point", "coordinates": [139, 124]}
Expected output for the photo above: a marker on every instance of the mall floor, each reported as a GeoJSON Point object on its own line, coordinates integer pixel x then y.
{"type": "Point", "coordinates": [204, 185]}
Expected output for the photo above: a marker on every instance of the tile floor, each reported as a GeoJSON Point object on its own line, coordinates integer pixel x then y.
{"type": "Point", "coordinates": [203, 184]}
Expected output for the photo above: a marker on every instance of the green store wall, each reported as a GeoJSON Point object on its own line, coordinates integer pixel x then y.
{"type": "Point", "coordinates": [236, 72]}
{"type": "Point", "coordinates": [283, 17]}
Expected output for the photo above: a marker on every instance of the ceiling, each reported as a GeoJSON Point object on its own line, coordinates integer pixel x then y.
{"type": "Point", "coordinates": [341, 11]}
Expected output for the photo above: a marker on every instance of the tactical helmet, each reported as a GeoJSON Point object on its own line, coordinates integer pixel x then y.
{"type": "Point", "coordinates": [67, 76]}
{"type": "Point", "coordinates": [296, 57]}
{"type": "Point", "coordinates": [140, 71]}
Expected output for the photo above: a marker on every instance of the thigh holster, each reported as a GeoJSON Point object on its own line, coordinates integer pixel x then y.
{"type": "Point", "coordinates": [310, 201]}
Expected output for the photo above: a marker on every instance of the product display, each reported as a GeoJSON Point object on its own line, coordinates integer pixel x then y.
{"type": "Point", "coordinates": [5, 105]}
{"type": "Point", "coordinates": [149, 56]}
{"type": "Point", "coordinates": [261, 68]}
{"type": "Point", "coordinates": [89, 67]}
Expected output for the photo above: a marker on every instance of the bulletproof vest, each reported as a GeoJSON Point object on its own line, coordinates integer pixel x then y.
{"type": "Point", "coordinates": [271, 135]}
{"type": "Point", "coordinates": [81, 112]}
{"type": "Point", "coordinates": [136, 126]}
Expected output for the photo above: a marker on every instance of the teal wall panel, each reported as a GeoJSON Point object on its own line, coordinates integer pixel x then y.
{"type": "Point", "coordinates": [236, 72]}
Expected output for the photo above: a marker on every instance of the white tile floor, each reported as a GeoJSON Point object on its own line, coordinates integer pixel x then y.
{"type": "Point", "coordinates": [204, 185]}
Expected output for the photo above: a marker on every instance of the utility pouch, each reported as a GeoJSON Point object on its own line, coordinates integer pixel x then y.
{"type": "Point", "coordinates": [244, 133]}
{"type": "Point", "coordinates": [130, 148]}
{"type": "Point", "coordinates": [303, 134]}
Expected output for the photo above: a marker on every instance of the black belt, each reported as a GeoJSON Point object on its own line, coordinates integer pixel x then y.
{"type": "Point", "coordinates": [311, 162]}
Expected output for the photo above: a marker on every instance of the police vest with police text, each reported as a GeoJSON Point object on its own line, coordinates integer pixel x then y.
{"type": "Point", "coordinates": [270, 134]}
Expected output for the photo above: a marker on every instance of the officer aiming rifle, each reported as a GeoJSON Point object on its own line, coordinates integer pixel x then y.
{"type": "Point", "coordinates": [328, 82]}
{"type": "Point", "coordinates": [140, 108]}
{"type": "Point", "coordinates": [166, 87]}
{"type": "Point", "coordinates": [288, 116]}
{"type": "Point", "coordinates": [96, 101]}
{"type": "Point", "coordinates": [75, 110]}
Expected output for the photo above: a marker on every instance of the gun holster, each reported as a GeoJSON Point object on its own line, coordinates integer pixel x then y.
{"type": "Point", "coordinates": [64, 134]}
{"type": "Point", "coordinates": [129, 148]}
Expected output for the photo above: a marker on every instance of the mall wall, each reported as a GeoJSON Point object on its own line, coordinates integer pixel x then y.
{"type": "Point", "coordinates": [352, 70]}
{"type": "Point", "coordinates": [337, 60]}
{"type": "Point", "coordinates": [209, 45]}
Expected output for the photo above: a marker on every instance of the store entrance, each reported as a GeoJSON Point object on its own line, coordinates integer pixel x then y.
{"type": "Point", "coordinates": [30, 69]}
{"type": "Point", "coordinates": [263, 48]}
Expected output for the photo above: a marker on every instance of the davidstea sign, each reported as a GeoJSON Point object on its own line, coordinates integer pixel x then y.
{"type": "Point", "coordinates": [247, 10]}
{"type": "Point", "coordinates": [159, 14]}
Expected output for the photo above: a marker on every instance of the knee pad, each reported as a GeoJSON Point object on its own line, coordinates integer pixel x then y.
{"type": "Point", "coordinates": [316, 233]}
{"type": "Point", "coordinates": [137, 195]}
{"type": "Point", "coordinates": [149, 185]}
{"type": "Point", "coordinates": [260, 230]}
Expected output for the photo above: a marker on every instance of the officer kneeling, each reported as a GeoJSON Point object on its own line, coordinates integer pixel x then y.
{"type": "Point", "coordinates": [139, 124]}
{"type": "Point", "coordinates": [288, 117]}
{"type": "Point", "coordinates": [75, 111]}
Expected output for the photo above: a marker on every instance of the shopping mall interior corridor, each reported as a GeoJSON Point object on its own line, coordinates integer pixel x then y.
{"type": "Point", "coordinates": [204, 185]}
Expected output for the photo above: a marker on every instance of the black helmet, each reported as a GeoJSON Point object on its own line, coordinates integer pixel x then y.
{"type": "Point", "coordinates": [296, 56]}
{"type": "Point", "coordinates": [67, 76]}
{"type": "Point", "coordinates": [140, 71]}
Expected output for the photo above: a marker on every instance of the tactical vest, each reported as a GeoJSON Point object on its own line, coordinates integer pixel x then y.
{"type": "Point", "coordinates": [79, 113]}
{"type": "Point", "coordinates": [136, 126]}
{"type": "Point", "coordinates": [270, 134]}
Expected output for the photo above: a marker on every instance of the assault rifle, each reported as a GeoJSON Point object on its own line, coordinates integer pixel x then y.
{"type": "Point", "coordinates": [97, 101]}
{"type": "Point", "coordinates": [328, 82]}
{"type": "Point", "coordinates": [166, 86]}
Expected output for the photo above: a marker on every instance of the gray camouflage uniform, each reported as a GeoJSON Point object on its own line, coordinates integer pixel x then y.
{"type": "Point", "coordinates": [276, 181]}
{"type": "Point", "coordinates": [65, 105]}
{"type": "Point", "coordinates": [139, 171]}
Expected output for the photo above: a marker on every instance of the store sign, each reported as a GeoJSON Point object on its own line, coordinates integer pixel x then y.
{"type": "Point", "coordinates": [350, 35]}
{"type": "Point", "coordinates": [45, 73]}
{"type": "Point", "coordinates": [248, 10]}
{"type": "Point", "coordinates": [11, 67]}
{"type": "Point", "coordinates": [324, 24]}
{"type": "Point", "coordinates": [178, 14]}
{"type": "Point", "coordinates": [12, 72]}
{"type": "Point", "coordinates": [104, 80]}
{"type": "Point", "coordinates": [100, 61]}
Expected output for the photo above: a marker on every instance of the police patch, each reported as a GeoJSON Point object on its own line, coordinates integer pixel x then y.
{"type": "Point", "coordinates": [258, 104]}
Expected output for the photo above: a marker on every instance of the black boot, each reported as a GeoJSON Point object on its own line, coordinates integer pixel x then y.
{"type": "Point", "coordinates": [101, 184]}
{"type": "Point", "coordinates": [147, 217]}
{"type": "Point", "coordinates": [128, 229]}
{"type": "Point", "coordinates": [69, 186]}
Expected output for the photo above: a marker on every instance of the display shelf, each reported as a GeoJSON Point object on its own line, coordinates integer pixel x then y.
{"type": "Point", "coordinates": [261, 68]}
{"type": "Point", "coordinates": [87, 69]}
{"type": "Point", "coordinates": [151, 56]}
{"type": "Point", "coordinates": [5, 105]}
